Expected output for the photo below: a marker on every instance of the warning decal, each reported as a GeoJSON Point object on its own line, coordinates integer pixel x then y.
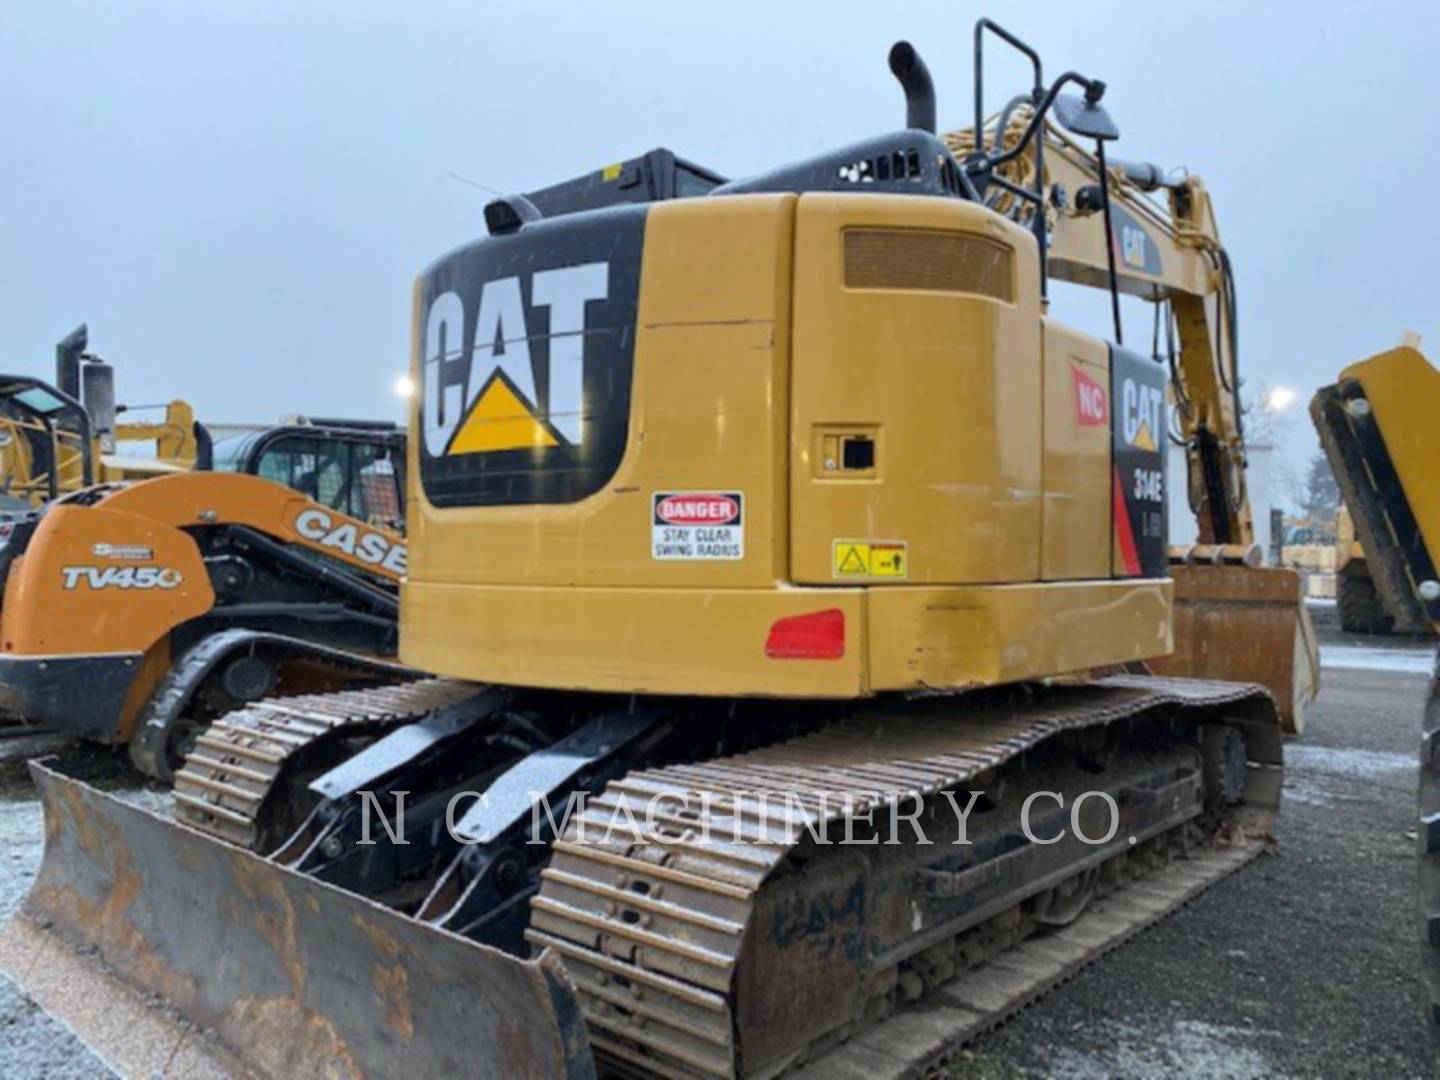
{"type": "Point", "coordinates": [698, 525]}
{"type": "Point", "coordinates": [1138, 390]}
{"type": "Point", "coordinates": [871, 558]}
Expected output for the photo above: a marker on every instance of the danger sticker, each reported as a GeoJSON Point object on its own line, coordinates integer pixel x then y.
{"type": "Point", "coordinates": [871, 558]}
{"type": "Point", "coordinates": [698, 525]}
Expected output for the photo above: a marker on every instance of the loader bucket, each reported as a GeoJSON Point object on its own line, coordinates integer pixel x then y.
{"type": "Point", "coordinates": [1246, 624]}
{"type": "Point", "coordinates": [173, 954]}
{"type": "Point", "coordinates": [1377, 429]}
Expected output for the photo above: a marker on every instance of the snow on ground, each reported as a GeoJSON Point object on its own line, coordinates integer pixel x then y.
{"type": "Point", "coordinates": [1324, 775]}
{"type": "Point", "coordinates": [1347, 761]}
{"type": "Point", "coordinates": [1193, 1047]}
{"type": "Point", "coordinates": [1412, 661]}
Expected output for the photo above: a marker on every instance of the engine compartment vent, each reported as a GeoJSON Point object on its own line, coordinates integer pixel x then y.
{"type": "Point", "coordinates": [936, 261]}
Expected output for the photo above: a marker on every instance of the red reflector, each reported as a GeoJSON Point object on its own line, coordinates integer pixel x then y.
{"type": "Point", "coordinates": [817, 636]}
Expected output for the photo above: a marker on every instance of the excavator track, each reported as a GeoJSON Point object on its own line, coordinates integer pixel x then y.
{"type": "Point", "coordinates": [239, 760]}
{"type": "Point", "coordinates": [711, 944]}
{"type": "Point", "coordinates": [737, 932]}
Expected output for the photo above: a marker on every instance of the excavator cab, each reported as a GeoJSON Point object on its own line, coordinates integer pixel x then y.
{"type": "Point", "coordinates": [59, 438]}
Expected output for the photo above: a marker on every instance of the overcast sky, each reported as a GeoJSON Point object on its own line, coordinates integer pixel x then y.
{"type": "Point", "coordinates": [237, 197]}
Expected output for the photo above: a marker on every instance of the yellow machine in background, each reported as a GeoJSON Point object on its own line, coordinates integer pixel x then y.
{"type": "Point", "coordinates": [134, 612]}
{"type": "Point", "coordinates": [1377, 425]}
{"type": "Point", "coordinates": [769, 503]}
{"type": "Point", "coordinates": [1361, 607]}
{"type": "Point", "coordinates": [60, 438]}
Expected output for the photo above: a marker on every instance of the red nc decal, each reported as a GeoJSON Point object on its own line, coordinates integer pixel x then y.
{"type": "Point", "coordinates": [1090, 410]}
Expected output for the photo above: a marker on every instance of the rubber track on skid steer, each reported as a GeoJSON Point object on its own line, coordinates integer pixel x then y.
{"type": "Point", "coordinates": [239, 758]}
{"type": "Point", "coordinates": [652, 932]}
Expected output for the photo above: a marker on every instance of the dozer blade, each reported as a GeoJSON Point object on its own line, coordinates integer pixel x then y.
{"type": "Point", "coordinates": [172, 954]}
{"type": "Point", "coordinates": [1246, 624]}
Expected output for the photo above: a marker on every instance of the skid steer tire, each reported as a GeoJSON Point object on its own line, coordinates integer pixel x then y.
{"type": "Point", "coordinates": [1360, 607]}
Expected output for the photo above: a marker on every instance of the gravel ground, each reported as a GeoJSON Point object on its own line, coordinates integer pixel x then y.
{"type": "Point", "coordinates": [33, 1046]}
{"type": "Point", "coordinates": [1302, 964]}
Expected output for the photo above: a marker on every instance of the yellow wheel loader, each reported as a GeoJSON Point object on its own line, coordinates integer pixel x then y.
{"type": "Point", "coordinates": [788, 578]}
{"type": "Point", "coordinates": [1378, 429]}
{"type": "Point", "coordinates": [1357, 601]}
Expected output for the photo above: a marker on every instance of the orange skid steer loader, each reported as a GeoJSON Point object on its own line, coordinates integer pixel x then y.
{"type": "Point", "coordinates": [133, 612]}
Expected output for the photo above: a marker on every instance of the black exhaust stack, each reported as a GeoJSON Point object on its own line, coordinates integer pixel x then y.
{"type": "Point", "coordinates": [97, 394]}
{"type": "Point", "coordinates": [67, 360]}
{"type": "Point", "coordinates": [914, 77]}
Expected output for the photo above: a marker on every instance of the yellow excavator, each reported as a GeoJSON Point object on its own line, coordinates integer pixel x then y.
{"type": "Point", "coordinates": [1234, 618]}
{"type": "Point", "coordinates": [788, 578]}
{"type": "Point", "coordinates": [1377, 427]}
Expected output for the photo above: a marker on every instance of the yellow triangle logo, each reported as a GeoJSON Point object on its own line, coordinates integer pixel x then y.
{"type": "Point", "coordinates": [500, 420]}
{"type": "Point", "coordinates": [1143, 439]}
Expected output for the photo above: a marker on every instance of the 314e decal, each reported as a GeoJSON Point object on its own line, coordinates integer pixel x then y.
{"type": "Point", "coordinates": [1137, 390]}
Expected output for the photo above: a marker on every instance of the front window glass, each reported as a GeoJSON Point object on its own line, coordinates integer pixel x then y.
{"type": "Point", "coordinates": [317, 468]}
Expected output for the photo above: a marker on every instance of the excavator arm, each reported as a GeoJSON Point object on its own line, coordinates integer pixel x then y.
{"type": "Point", "coordinates": [1378, 430]}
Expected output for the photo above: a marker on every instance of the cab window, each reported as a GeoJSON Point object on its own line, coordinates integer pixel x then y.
{"type": "Point", "coordinates": [355, 478]}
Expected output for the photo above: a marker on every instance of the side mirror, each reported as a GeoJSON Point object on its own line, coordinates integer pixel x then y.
{"type": "Point", "coordinates": [1081, 116]}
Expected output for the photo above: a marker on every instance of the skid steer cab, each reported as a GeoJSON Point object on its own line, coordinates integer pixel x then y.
{"type": "Point", "coordinates": [354, 466]}
{"type": "Point", "coordinates": [141, 609]}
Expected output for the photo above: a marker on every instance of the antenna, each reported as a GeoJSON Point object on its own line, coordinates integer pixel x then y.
{"type": "Point", "coordinates": [475, 184]}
